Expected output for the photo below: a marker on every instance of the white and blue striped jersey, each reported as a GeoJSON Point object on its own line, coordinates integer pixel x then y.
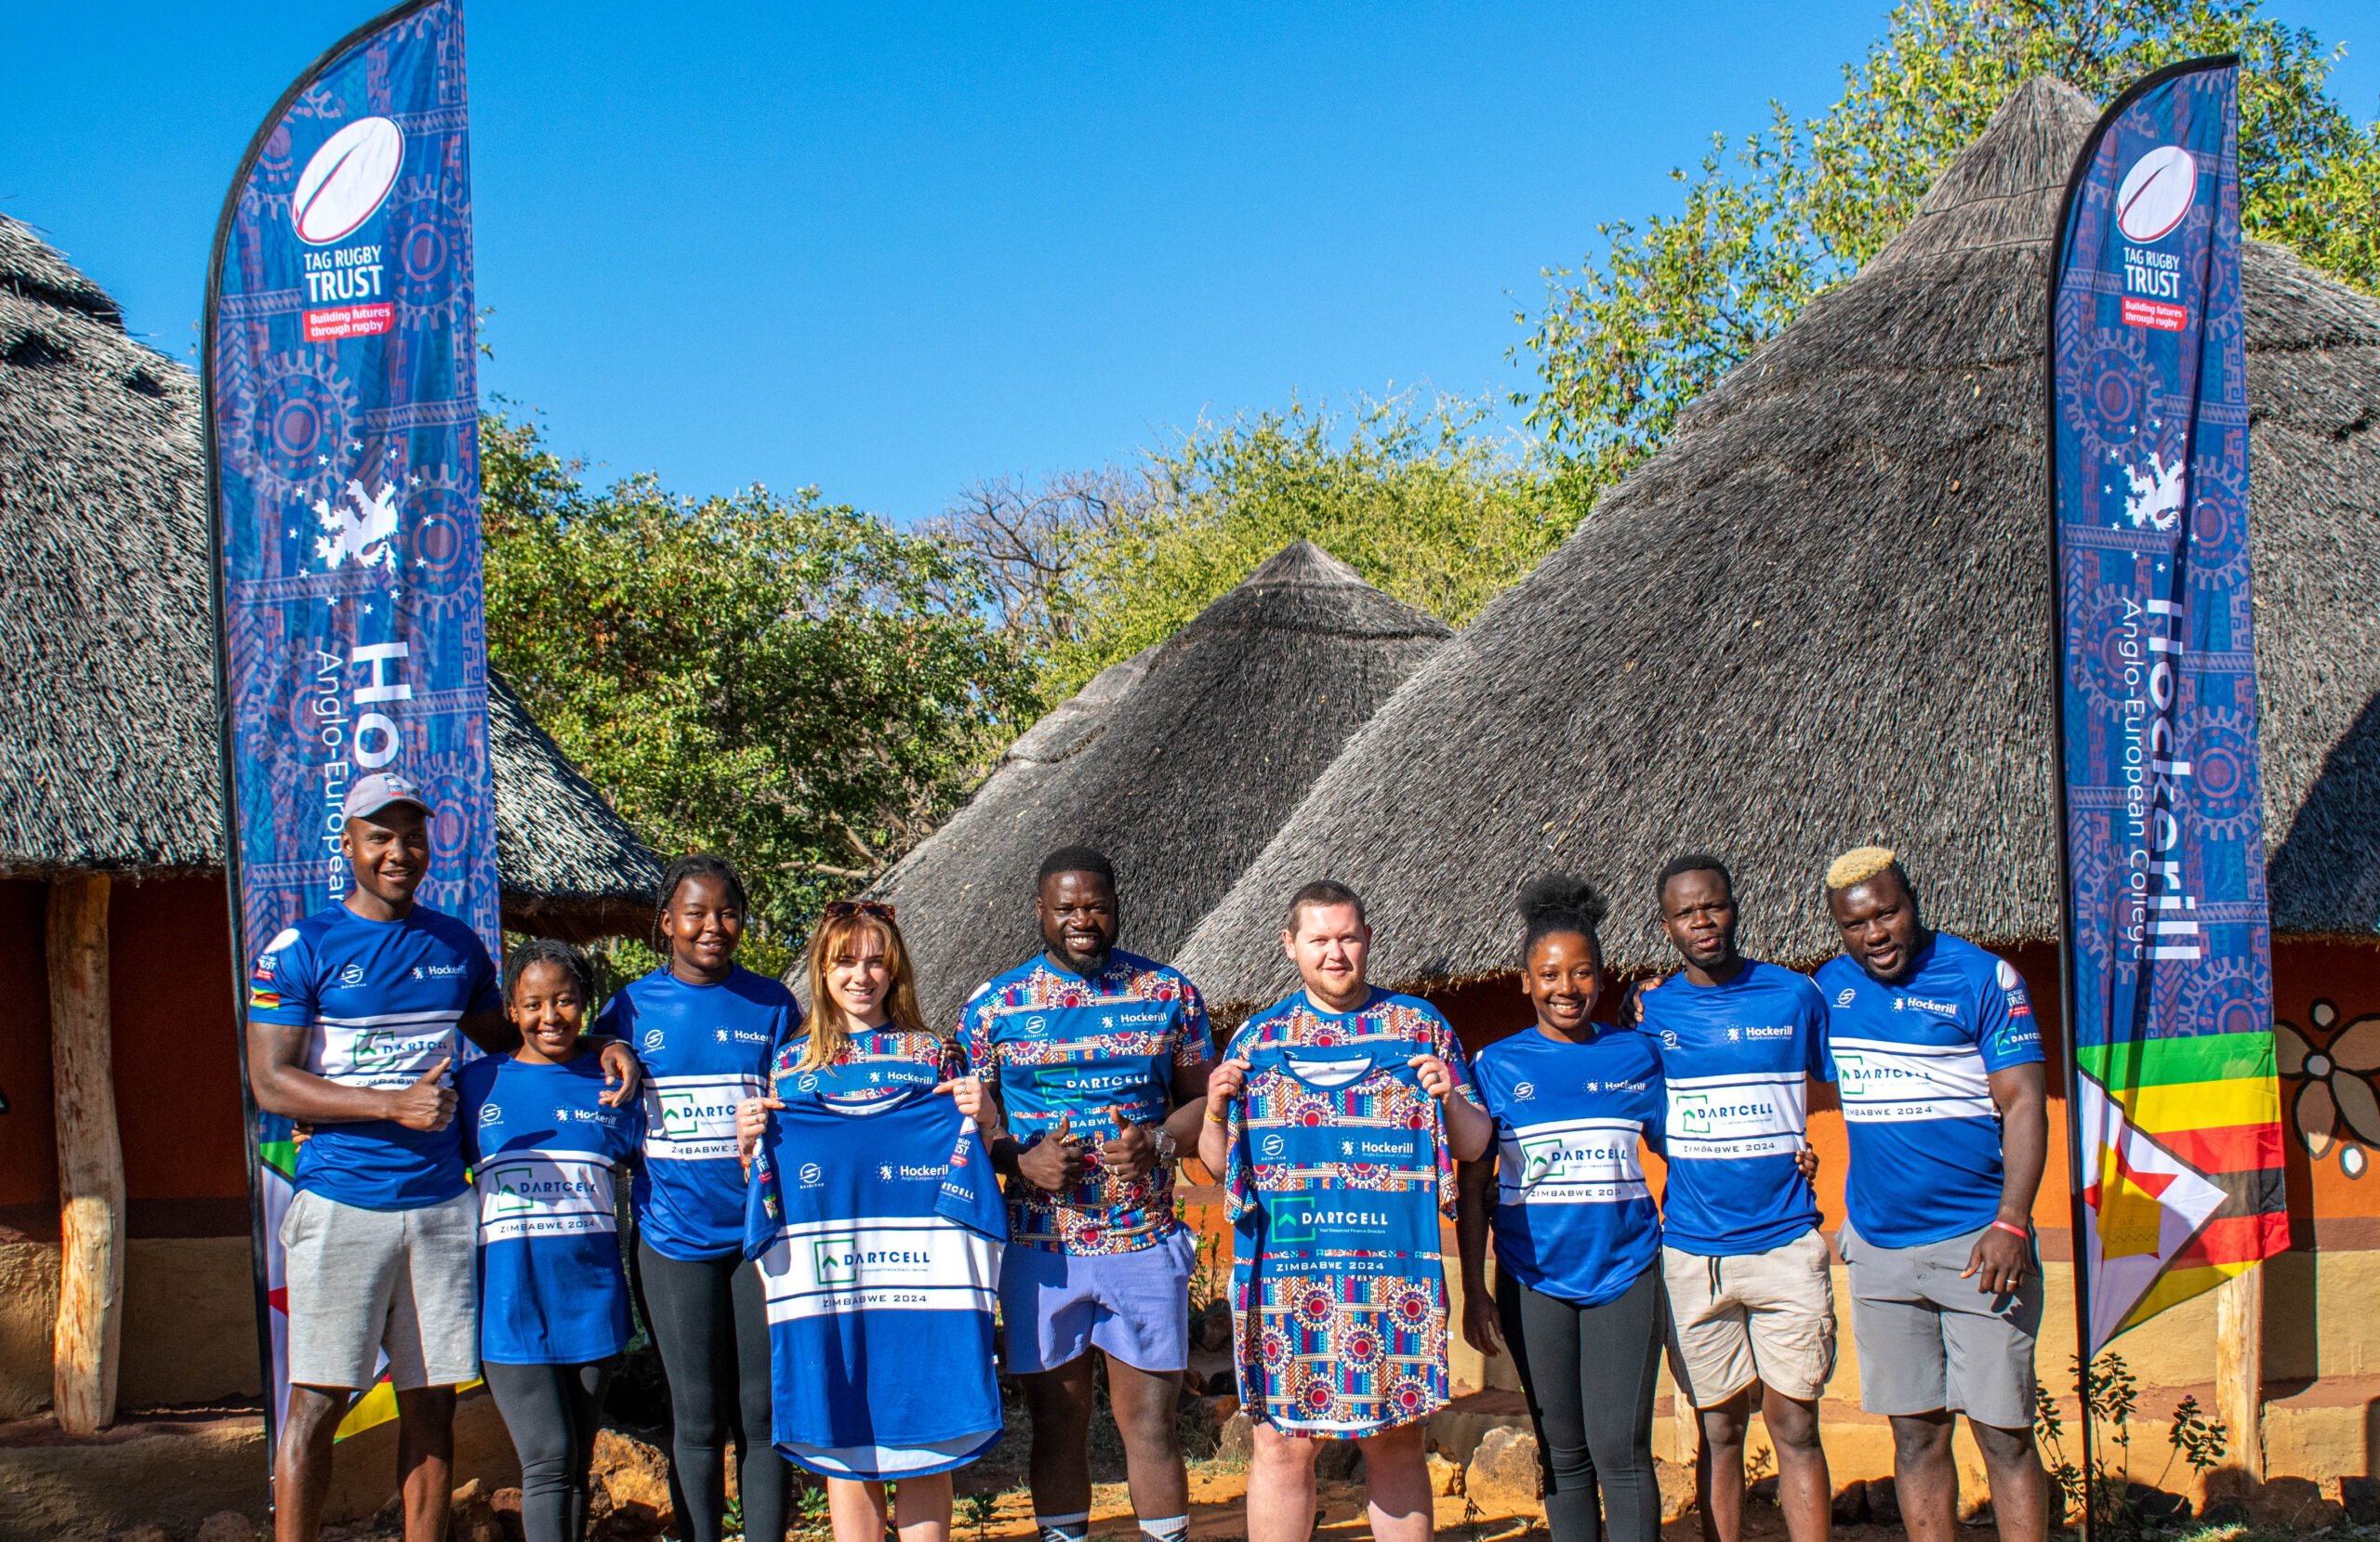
{"type": "Point", "coordinates": [385, 1000]}
{"type": "Point", "coordinates": [1736, 1062]}
{"type": "Point", "coordinates": [878, 1226]}
{"type": "Point", "coordinates": [544, 1151]}
{"type": "Point", "coordinates": [705, 1049]}
{"type": "Point", "coordinates": [1575, 1218]}
{"type": "Point", "coordinates": [1913, 1060]}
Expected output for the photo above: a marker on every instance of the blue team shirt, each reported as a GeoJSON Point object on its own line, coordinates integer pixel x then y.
{"type": "Point", "coordinates": [705, 1049]}
{"type": "Point", "coordinates": [544, 1153]}
{"type": "Point", "coordinates": [878, 1226]}
{"type": "Point", "coordinates": [1574, 1217]}
{"type": "Point", "coordinates": [1911, 1059]}
{"type": "Point", "coordinates": [384, 999]}
{"type": "Point", "coordinates": [1736, 1060]}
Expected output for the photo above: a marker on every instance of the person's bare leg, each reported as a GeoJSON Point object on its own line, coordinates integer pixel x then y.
{"type": "Point", "coordinates": [301, 1465]}
{"type": "Point", "coordinates": [1719, 1468]}
{"type": "Point", "coordinates": [1397, 1484]}
{"type": "Point", "coordinates": [921, 1509]}
{"type": "Point", "coordinates": [1280, 1487]}
{"type": "Point", "coordinates": [2019, 1496]}
{"type": "Point", "coordinates": [1059, 1403]}
{"type": "Point", "coordinates": [426, 1461]}
{"type": "Point", "coordinates": [1804, 1492]}
{"type": "Point", "coordinates": [1925, 1476]}
{"type": "Point", "coordinates": [1144, 1403]}
{"type": "Point", "coordinates": [855, 1509]}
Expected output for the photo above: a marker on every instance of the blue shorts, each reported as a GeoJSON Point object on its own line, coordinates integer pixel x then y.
{"type": "Point", "coordinates": [1136, 1306]}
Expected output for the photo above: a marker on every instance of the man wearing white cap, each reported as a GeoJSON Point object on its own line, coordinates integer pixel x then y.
{"type": "Point", "coordinates": [354, 1015]}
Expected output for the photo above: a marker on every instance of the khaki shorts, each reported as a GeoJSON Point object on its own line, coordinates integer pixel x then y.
{"type": "Point", "coordinates": [365, 1282]}
{"type": "Point", "coordinates": [1766, 1317]}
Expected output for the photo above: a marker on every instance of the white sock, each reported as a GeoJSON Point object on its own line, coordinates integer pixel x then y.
{"type": "Point", "coordinates": [1064, 1528]}
{"type": "Point", "coordinates": [1174, 1528]}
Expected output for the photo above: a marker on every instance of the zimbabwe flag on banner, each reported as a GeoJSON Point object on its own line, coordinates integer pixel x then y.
{"type": "Point", "coordinates": [2168, 946]}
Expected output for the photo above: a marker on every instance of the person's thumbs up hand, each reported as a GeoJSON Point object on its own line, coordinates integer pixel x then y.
{"type": "Point", "coordinates": [426, 1105]}
{"type": "Point", "coordinates": [1054, 1162]}
{"type": "Point", "coordinates": [1132, 1154]}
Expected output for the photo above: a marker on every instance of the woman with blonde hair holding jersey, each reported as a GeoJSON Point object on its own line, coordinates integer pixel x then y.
{"type": "Point", "coordinates": [866, 1037]}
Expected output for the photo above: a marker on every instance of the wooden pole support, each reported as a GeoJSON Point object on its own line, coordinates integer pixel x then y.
{"type": "Point", "coordinates": [2239, 1367]}
{"type": "Point", "coordinates": [90, 1158]}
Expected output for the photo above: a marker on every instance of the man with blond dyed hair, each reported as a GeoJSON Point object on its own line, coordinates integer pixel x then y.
{"type": "Point", "coordinates": [1938, 1058]}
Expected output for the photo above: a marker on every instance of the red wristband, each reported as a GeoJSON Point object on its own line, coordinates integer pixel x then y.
{"type": "Point", "coordinates": [2013, 1231]}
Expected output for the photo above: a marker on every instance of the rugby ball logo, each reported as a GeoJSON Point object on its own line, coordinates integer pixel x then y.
{"type": "Point", "coordinates": [347, 181]}
{"type": "Point", "coordinates": [2156, 193]}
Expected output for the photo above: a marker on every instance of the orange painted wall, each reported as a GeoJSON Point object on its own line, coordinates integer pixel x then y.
{"type": "Point", "coordinates": [177, 1071]}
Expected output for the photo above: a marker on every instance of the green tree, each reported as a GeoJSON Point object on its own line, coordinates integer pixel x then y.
{"type": "Point", "coordinates": [794, 684]}
{"type": "Point", "coordinates": [1419, 493]}
{"type": "Point", "coordinates": [1626, 340]}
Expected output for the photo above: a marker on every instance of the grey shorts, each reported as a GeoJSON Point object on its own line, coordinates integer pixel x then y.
{"type": "Point", "coordinates": [364, 1281]}
{"type": "Point", "coordinates": [1929, 1340]}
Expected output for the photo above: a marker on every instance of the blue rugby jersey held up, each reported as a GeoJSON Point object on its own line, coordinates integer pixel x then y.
{"type": "Point", "coordinates": [878, 1226]}
{"type": "Point", "coordinates": [1736, 1061]}
{"type": "Point", "coordinates": [1337, 1174]}
{"type": "Point", "coordinates": [544, 1151]}
{"type": "Point", "coordinates": [1913, 1061]}
{"type": "Point", "coordinates": [1574, 1217]}
{"type": "Point", "coordinates": [1057, 1045]}
{"type": "Point", "coordinates": [874, 1060]}
{"type": "Point", "coordinates": [705, 1049]}
{"type": "Point", "coordinates": [384, 999]}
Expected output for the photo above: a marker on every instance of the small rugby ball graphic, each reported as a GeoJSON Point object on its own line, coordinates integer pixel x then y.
{"type": "Point", "coordinates": [347, 181]}
{"type": "Point", "coordinates": [2156, 192]}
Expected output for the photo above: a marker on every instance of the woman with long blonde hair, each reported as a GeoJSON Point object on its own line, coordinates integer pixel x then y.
{"type": "Point", "coordinates": [866, 1038]}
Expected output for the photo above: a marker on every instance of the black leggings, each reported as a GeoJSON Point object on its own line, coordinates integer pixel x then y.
{"type": "Point", "coordinates": [552, 1413]}
{"type": "Point", "coordinates": [1587, 1373]}
{"type": "Point", "coordinates": [710, 1323]}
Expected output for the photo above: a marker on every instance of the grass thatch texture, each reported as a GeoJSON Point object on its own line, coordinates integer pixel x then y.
{"type": "Point", "coordinates": [1179, 764]}
{"type": "Point", "coordinates": [107, 755]}
{"type": "Point", "coordinates": [1819, 618]}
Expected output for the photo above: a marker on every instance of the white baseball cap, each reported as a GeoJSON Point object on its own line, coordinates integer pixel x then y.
{"type": "Point", "coordinates": [376, 792]}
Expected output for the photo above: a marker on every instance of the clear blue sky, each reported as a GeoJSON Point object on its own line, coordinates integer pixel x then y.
{"type": "Point", "coordinates": [889, 250]}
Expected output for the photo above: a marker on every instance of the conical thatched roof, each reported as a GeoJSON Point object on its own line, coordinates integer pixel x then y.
{"type": "Point", "coordinates": [107, 690]}
{"type": "Point", "coordinates": [1819, 617]}
{"type": "Point", "coordinates": [1179, 764]}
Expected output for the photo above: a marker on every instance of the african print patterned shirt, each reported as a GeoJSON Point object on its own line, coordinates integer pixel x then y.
{"type": "Point", "coordinates": [1339, 1172]}
{"type": "Point", "coordinates": [1057, 1045]}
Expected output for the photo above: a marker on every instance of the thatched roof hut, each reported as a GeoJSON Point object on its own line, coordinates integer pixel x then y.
{"type": "Point", "coordinates": [106, 694]}
{"type": "Point", "coordinates": [1820, 617]}
{"type": "Point", "coordinates": [1179, 764]}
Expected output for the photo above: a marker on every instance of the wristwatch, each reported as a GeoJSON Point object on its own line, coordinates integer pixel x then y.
{"type": "Point", "coordinates": [1165, 1147]}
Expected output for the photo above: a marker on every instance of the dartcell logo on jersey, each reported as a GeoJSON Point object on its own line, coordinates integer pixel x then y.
{"type": "Point", "coordinates": [2152, 201]}
{"type": "Point", "coordinates": [344, 186]}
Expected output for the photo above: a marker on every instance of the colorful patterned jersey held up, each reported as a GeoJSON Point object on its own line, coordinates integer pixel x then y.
{"type": "Point", "coordinates": [1057, 1045]}
{"type": "Point", "coordinates": [877, 1060]}
{"type": "Point", "coordinates": [1339, 1172]}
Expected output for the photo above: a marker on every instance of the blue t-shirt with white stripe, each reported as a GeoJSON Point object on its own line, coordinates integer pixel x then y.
{"type": "Point", "coordinates": [1913, 1061]}
{"type": "Point", "coordinates": [705, 1049]}
{"type": "Point", "coordinates": [544, 1151]}
{"type": "Point", "coordinates": [878, 1226]}
{"type": "Point", "coordinates": [385, 1000]}
{"type": "Point", "coordinates": [1574, 1217]}
{"type": "Point", "coordinates": [1736, 1060]}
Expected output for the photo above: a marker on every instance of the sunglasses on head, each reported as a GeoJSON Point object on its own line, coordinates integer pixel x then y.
{"type": "Point", "coordinates": [837, 910]}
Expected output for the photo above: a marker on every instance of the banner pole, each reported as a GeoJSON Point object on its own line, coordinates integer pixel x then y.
{"type": "Point", "coordinates": [259, 1269]}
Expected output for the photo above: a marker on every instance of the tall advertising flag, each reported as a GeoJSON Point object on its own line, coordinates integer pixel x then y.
{"type": "Point", "coordinates": [342, 413]}
{"type": "Point", "coordinates": [2168, 948]}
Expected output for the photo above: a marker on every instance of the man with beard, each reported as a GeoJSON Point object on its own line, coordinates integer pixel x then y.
{"type": "Point", "coordinates": [1945, 1103]}
{"type": "Point", "coordinates": [1100, 1058]}
{"type": "Point", "coordinates": [1749, 1296]}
